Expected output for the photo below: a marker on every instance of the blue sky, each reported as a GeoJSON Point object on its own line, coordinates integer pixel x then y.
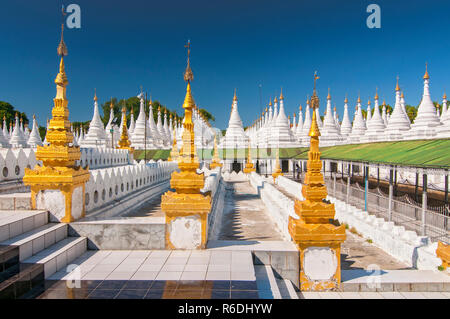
{"type": "Point", "coordinates": [235, 44]}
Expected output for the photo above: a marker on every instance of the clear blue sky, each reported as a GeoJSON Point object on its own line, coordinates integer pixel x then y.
{"type": "Point", "coordinates": [124, 44]}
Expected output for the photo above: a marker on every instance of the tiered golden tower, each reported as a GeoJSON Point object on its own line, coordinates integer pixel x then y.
{"type": "Point", "coordinates": [186, 209]}
{"type": "Point", "coordinates": [216, 159]}
{"type": "Point", "coordinates": [59, 184]}
{"type": "Point", "coordinates": [277, 171]}
{"type": "Point", "coordinates": [249, 165]}
{"type": "Point", "coordinates": [317, 235]}
{"type": "Point", "coordinates": [124, 142]}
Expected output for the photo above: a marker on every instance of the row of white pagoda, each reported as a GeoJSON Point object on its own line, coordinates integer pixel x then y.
{"type": "Point", "coordinates": [275, 130]}
{"type": "Point", "coordinates": [19, 136]}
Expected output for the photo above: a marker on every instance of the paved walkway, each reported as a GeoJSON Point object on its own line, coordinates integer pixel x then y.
{"type": "Point", "coordinates": [245, 216]}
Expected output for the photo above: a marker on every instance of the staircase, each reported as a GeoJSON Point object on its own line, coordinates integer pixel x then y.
{"type": "Point", "coordinates": [31, 250]}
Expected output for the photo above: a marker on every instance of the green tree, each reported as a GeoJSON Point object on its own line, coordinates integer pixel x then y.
{"type": "Point", "coordinates": [8, 112]}
{"type": "Point", "coordinates": [411, 111]}
{"type": "Point", "coordinates": [42, 132]}
{"type": "Point", "coordinates": [208, 116]}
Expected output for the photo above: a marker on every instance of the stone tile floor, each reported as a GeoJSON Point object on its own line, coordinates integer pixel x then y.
{"type": "Point", "coordinates": [151, 289]}
{"type": "Point", "coordinates": [157, 274]}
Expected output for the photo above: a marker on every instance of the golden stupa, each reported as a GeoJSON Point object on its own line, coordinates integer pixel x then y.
{"type": "Point", "coordinates": [216, 159]}
{"type": "Point", "coordinates": [186, 201]}
{"type": "Point", "coordinates": [249, 165]}
{"type": "Point", "coordinates": [124, 142]}
{"type": "Point", "coordinates": [316, 226]}
{"type": "Point", "coordinates": [59, 170]}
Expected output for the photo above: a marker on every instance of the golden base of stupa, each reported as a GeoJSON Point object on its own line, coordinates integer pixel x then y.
{"type": "Point", "coordinates": [443, 252]}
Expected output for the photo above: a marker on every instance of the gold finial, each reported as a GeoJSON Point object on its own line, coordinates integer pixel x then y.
{"type": "Point", "coordinates": [281, 94]}
{"type": "Point", "coordinates": [270, 101]}
{"type": "Point", "coordinates": [62, 48]}
{"type": "Point", "coordinates": [124, 109]}
{"type": "Point", "coordinates": [17, 114]}
{"type": "Point", "coordinates": [314, 130]}
{"type": "Point", "coordinates": [21, 119]}
{"type": "Point", "coordinates": [384, 102]}
{"type": "Point", "coordinates": [289, 117]}
{"type": "Point", "coordinates": [334, 109]}
{"type": "Point", "coordinates": [346, 98]}
{"type": "Point", "coordinates": [376, 93]}
{"type": "Point", "coordinates": [188, 75]}
{"type": "Point", "coordinates": [426, 76]}
{"type": "Point", "coordinates": [95, 94]}
{"type": "Point", "coordinates": [300, 107]}
{"type": "Point", "coordinates": [266, 109]}
{"type": "Point", "coordinates": [329, 95]}
{"type": "Point", "coordinates": [359, 98]}
{"type": "Point", "coordinates": [132, 112]}
{"type": "Point", "coordinates": [368, 103]}
{"type": "Point", "coordinates": [402, 95]}
{"type": "Point", "coordinates": [397, 87]}
{"type": "Point", "coordinates": [234, 97]}
{"type": "Point", "coordinates": [275, 100]}
{"type": "Point", "coordinates": [111, 105]}
{"type": "Point", "coordinates": [445, 96]}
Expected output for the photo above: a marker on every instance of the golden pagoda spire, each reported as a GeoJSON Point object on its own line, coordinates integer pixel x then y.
{"type": "Point", "coordinates": [234, 97]}
{"type": "Point", "coordinates": [376, 93]}
{"type": "Point", "coordinates": [188, 75]}
{"type": "Point", "coordinates": [59, 170]}
{"type": "Point", "coordinates": [270, 101]}
{"type": "Point", "coordinates": [249, 165]}
{"type": "Point", "coordinates": [426, 76]}
{"type": "Point", "coordinates": [444, 97]}
{"type": "Point", "coordinates": [314, 228]}
{"type": "Point", "coordinates": [281, 94]}
{"type": "Point", "coordinates": [275, 100]}
{"type": "Point", "coordinates": [329, 95]}
{"type": "Point", "coordinates": [95, 95]}
{"type": "Point", "coordinates": [216, 159]}
{"type": "Point", "coordinates": [124, 142]}
{"type": "Point", "coordinates": [397, 87]}
{"type": "Point", "coordinates": [187, 200]}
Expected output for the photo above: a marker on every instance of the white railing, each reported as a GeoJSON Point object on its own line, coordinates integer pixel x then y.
{"type": "Point", "coordinates": [109, 184]}
{"type": "Point", "coordinates": [104, 157]}
{"type": "Point", "coordinates": [13, 162]}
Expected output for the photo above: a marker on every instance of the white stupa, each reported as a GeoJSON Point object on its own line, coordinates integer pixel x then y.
{"type": "Point", "coordinates": [34, 139]}
{"type": "Point", "coordinates": [5, 129]}
{"type": "Point", "coordinates": [299, 129]}
{"type": "Point", "coordinates": [161, 131]}
{"type": "Point", "coordinates": [426, 121]}
{"type": "Point", "coordinates": [156, 138]}
{"type": "Point", "coordinates": [96, 136]}
{"type": "Point", "coordinates": [443, 131]}
{"type": "Point", "coordinates": [375, 126]}
{"type": "Point", "coordinates": [235, 136]}
{"type": "Point", "coordinates": [306, 125]}
{"type": "Point", "coordinates": [398, 126]}
{"type": "Point", "coordinates": [17, 138]}
{"type": "Point", "coordinates": [109, 126]}
{"type": "Point", "coordinates": [132, 123]}
{"type": "Point", "coordinates": [346, 125]}
{"type": "Point", "coordinates": [329, 133]}
{"type": "Point", "coordinates": [359, 125]}
{"type": "Point", "coordinates": [281, 135]}
{"type": "Point", "coordinates": [142, 135]}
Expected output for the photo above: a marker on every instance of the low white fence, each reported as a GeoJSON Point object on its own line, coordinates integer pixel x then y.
{"type": "Point", "coordinates": [104, 157]}
{"type": "Point", "coordinates": [13, 162]}
{"type": "Point", "coordinates": [109, 184]}
{"type": "Point", "coordinates": [213, 184]}
{"type": "Point", "coordinates": [405, 245]}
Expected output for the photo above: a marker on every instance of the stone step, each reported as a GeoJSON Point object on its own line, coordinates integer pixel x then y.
{"type": "Point", "coordinates": [266, 282]}
{"type": "Point", "coordinates": [15, 201]}
{"type": "Point", "coordinates": [24, 278]}
{"type": "Point", "coordinates": [38, 239]}
{"type": "Point", "coordinates": [410, 280]}
{"type": "Point", "coordinates": [15, 223]}
{"type": "Point", "coordinates": [9, 257]}
{"type": "Point", "coordinates": [287, 289]}
{"type": "Point", "coordinates": [14, 186]}
{"type": "Point", "coordinates": [59, 255]}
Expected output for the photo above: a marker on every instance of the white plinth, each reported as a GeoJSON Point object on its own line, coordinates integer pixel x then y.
{"type": "Point", "coordinates": [186, 232]}
{"type": "Point", "coordinates": [319, 263]}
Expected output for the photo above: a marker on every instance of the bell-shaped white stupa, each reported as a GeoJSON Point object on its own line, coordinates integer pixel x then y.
{"type": "Point", "coordinates": [17, 136]}
{"type": "Point", "coordinates": [34, 139]}
{"type": "Point", "coordinates": [142, 135]}
{"type": "Point", "coordinates": [359, 125]}
{"type": "Point", "coordinates": [426, 121]}
{"type": "Point", "coordinates": [375, 126]}
{"type": "Point", "coordinates": [299, 129]}
{"type": "Point", "coordinates": [346, 125]}
{"type": "Point", "coordinates": [281, 135]}
{"type": "Point", "coordinates": [398, 125]}
{"type": "Point", "coordinates": [96, 136]}
{"type": "Point", "coordinates": [235, 136]}
{"type": "Point", "coordinates": [329, 133]}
